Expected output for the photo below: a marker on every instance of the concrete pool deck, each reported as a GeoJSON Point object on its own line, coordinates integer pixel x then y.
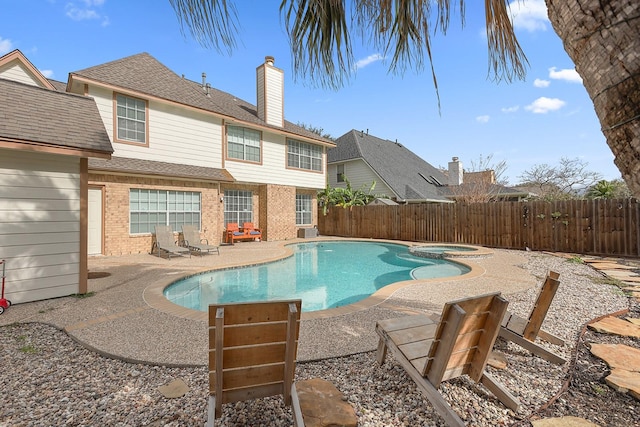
{"type": "Point", "coordinates": [125, 315]}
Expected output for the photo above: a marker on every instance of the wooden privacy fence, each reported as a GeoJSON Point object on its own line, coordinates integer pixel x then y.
{"type": "Point", "coordinates": [597, 227]}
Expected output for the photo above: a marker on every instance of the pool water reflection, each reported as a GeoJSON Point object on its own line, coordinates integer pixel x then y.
{"type": "Point", "coordinates": [323, 274]}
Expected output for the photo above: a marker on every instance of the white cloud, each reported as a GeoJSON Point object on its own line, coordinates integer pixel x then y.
{"type": "Point", "coordinates": [543, 105]}
{"type": "Point", "coordinates": [369, 60]}
{"type": "Point", "coordinates": [86, 11]}
{"type": "Point", "coordinates": [510, 109]}
{"type": "Point", "coordinates": [541, 83]}
{"type": "Point", "coordinates": [529, 15]}
{"type": "Point", "coordinates": [566, 74]}
{"type": "Point", "coordinates": [5, 46]}
{"type": "Point", "coordinates": [482, 119]}
{"type": "Point", "coordinates": [79, 14]}
{"type": "Point", "coordinates": [47, 73]}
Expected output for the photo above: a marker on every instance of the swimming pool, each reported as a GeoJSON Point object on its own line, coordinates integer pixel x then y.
{"type": "Point", "coordinates": [323, 274]}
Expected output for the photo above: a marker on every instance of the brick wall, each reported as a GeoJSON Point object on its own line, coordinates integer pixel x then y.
{"type": "Point", "coordinates": [274, 208]}
{"type": "Point", "coordinates": [279, 212]}
{"type": "Point", "coordinates": [118, 241]}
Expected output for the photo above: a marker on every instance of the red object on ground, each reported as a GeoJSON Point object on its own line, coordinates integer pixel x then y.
{"type": "Point", "coordinates": [4, 303]}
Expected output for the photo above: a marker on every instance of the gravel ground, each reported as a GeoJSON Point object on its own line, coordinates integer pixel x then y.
{"type": "Point", "coordinates": [48, 379]}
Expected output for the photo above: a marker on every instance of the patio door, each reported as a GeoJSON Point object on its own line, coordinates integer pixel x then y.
{"type": "Point", "coordinates": [94, 221]}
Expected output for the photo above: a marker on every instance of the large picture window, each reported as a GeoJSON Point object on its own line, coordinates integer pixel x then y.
{"type": "Point", "coordinates": [238, 206]}
{"type": "Point", "coordinates": [304, 210]}
{"type": "Point", "coordinates": [148, 208]}
{"type": "Point", "coordinates": [131, 120]}
{"type": "Point", "coordinates": [243, 143]}
{"type": "Point", "coordinates": [304, 156]}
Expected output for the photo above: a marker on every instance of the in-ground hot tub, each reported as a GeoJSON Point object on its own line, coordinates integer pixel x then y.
{"type": "Point", "coordinates": [439, 251]}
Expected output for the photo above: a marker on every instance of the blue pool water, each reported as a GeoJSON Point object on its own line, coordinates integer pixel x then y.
{"type": "Point", "coordinates": [322, 274]}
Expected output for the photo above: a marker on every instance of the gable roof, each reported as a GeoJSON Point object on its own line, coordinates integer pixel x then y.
{"type": "Point", "coordinates": [145, 75]}
{"type": "Point", "coordinates": [36, 116]}
{"type": "Point", "coordinates": [18, 57]}
{"type": "Point", "coordinates": [406, 174]}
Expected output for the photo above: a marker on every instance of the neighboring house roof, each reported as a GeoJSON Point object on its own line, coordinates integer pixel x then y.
{"type": "Point", "coordinates": [144, 74]}
{"type": "Point", "coordinates": [148, 167]}
{"type": "Point", "coordinates": [59, 86]}
{"type": "Point", "coordinates": [406, 174]}
{"type": "Point", "coordinates": [44, 117]}
{"type": "Point", "coordinates": [495, 190]}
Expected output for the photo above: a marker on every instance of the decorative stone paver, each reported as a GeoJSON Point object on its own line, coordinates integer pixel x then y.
{"type": "Point", "coordinates": [625, 367]}
{"type": "Point", "coordinates": [618, 355]}
{"type": "Point", "coordinates": [323, 405]}
{"type": "Point", "coordinates": [613, 325]}
{"type": "Point", "coordinates": [623, 360]}
{"type": "Point", "coordinates": [176, 388]}
{"type": "Point", "coordinates": [563, 422]}
{"type": "Point", "coordinates": [624, 381]}
{"type": "Point", "coordinates": [608, 265]}
{"type": "Point", "coordinates": [634, 321]}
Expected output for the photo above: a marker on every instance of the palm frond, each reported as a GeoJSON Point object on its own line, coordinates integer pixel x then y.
{"type": "Point", "coordinates": [506, 58]}
{"type": "Point", "coordinates": [320, 42]}
{"type": "Point", "coordinates": [212, 23]}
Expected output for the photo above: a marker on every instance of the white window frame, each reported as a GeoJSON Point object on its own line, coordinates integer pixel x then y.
{"type": "Point", "coordinates": [302, 155]}
{"type": "Point", "coordinates": [246, 144]}
{"type": "Point", "coordinates": [304, 209]}
{"type": "Point", "coordinates": [238, 206]}
{"type": "Point", "coordinates": [130, 119]}
{"type": "Point", "coordinates": [150, 207]}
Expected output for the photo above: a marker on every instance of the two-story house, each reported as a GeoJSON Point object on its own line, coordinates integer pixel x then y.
{"type": "Point", "coordinates": [46, 139]}
{"type": "Point", "coordinates": [187, 153]}
{"type": "Point", "coordinates": [183, 153]}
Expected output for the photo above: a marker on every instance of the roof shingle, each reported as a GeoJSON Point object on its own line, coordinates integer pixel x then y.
{"type": "Point", "coordinates": [32, 114]}
{"type": "Point", "coordinates": [164, 169]}
{"type": "Point", "coordinates": [144, 74]}
{"type": "Point", "coordinates": [409, 176]}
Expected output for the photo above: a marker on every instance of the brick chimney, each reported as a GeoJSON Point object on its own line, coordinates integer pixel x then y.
{"type": "Point", "coordinates": [270, 87]}
{"type": "Point", "coordinates": [456, 173]}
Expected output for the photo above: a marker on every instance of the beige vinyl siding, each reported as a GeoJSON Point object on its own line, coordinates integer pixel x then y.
{"type": "Point", "coordinates": [274, 94]}
{"type": "Point", "coordinates": [260, 87]}
{"type": "Point", "coordinates": [39, 224]}
{"type": "Point", "coordinates": [17, 72]}
{"type": "Point", "coordinates": [273, 169]}
{"type": "Point", "coordinates": [176, 135]}
{"type": "Point", "coordinates": [359, 175]}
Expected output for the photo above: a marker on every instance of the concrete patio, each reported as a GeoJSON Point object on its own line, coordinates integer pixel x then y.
{"type": "Point", "coordinates": [125, 316]}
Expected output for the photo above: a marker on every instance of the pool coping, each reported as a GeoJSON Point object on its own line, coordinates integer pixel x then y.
{"type": "Point", "coordinates": [478, 251]}
{"type": "Point", "coordinates": [153, 294]}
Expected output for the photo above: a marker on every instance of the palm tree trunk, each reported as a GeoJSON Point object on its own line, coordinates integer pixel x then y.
{"type": "Point", "coordinates": [603, 40]}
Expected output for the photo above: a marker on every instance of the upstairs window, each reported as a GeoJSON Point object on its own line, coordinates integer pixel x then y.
{"type": "Point", "coordinates": [131, 119]}
{"type": "Point", "coordinates": [340, 177]}
{"type": "Point", "coordinates": [301, 155]}
{"type": "Point", "coordinates": [243, 143]}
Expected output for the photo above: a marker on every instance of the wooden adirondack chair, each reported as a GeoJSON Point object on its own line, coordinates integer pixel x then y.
{"type": "Point", "coordinates": [525, 331]}
{"type": "Point", "coordinates": [252, 352]}
{"type": "Point", "coordinates": [432, 352]}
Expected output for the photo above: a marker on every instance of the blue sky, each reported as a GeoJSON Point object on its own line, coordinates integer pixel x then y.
{"type": "Point", "coordinates": [539, 120]}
